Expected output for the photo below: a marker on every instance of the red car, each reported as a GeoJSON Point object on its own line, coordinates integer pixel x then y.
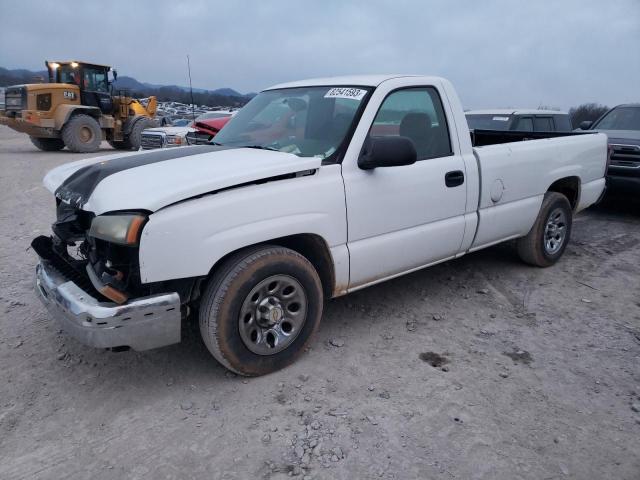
{"type": "Point", "coordinates": [206, 129]}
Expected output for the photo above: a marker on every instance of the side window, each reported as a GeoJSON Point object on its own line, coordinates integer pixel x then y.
{"type": "Point", "coordinates": [95, 80]}
{"type": "Point", "coordinates": [543, 124]}
{"type": "Point", "coordinates": [524, 124]}
{"type": "Point", "coordinates": [415, 113]}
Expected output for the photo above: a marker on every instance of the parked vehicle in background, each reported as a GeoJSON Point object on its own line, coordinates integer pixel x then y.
{"type": "Point", "coordinates": [215, 114]}
{"type": "Point", "coordinates": [165, 137]}
{"type": "Point", "coordinates": [182, 122]}
{"type": "Point", "coordinates": [622, 126]}
{"type": "Point", "coordinates": [184, 131]}
{"type": "Point", "coordinates": [315, 189]}
{"type": "Point", "coordinates": [206, 129]}
{"type": "Point", "coordinates": [519, 120]}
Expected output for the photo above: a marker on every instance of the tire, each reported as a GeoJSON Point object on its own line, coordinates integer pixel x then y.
{"type": "Point", "coordinates": [82, 134]}
{"type": "Point", "coordinates": [234, 293]}
{"type": "Point", "coordinates": [132, 141]}
{"type": "Point", "coordinates": [119, 145]}
{"type": "Point", "coordinates": [48, 144]}
{"type": "Point", "coordinates": [545, 243]}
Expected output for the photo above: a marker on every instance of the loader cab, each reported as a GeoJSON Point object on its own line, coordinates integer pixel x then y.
{"type": "Point", "coordinates": [91, 79]}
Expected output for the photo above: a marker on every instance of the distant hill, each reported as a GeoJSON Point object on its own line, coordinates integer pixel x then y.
{"type": "Point", "coordinates": [165, 93]}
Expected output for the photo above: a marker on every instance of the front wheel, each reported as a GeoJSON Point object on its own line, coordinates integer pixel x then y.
{"type": "Point", "coordinates": [545, 243]}
{"type": "Point", "coordinates": [260, 309]}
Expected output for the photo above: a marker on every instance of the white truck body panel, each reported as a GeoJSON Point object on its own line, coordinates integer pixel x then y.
{"type": "Point", "coordinates": [402, 218]}
{"type": "Point", "coordinates": [210, 227]}
{"type": "Point", "coordinates": [513, 174]}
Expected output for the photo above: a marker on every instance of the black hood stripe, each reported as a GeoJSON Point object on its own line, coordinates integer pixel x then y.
{"type": "Point", "coordinates": [79, 186]}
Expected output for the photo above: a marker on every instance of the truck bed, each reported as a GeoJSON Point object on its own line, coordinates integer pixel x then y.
{"type": "Point", "coordinates": [514, 176]}
{"type": "Point", "coordinates": [481, 138]}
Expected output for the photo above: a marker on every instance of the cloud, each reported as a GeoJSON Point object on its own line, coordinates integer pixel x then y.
{"type": "Point", "coordinates": [497, 53]}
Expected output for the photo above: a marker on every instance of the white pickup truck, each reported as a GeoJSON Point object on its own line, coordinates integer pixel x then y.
{"type": "Point", "coordinates": [313, 190]}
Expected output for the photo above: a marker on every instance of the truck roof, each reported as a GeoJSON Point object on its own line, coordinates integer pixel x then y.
{"type": "Point", "coordinates": [348, 80]}
{"type": "Point", "coordinates": [515, 111]}
{"type": "Point", "coordinates": [67, 62]}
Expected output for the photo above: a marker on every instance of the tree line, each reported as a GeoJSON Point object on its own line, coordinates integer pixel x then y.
{"type": "Point", "coordinates": [173, 94]}
{"type": "Point", "coordinates": [586, 111]}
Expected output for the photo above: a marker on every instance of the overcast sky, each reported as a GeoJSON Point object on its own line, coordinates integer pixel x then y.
{"type": "Point", "coordinates": [498, 53]}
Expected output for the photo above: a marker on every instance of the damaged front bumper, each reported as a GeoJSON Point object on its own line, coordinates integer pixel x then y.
{"type": "Point", "coordinates": [140, 324]}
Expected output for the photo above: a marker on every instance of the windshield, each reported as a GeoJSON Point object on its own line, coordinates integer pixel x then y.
{"type": "Point", "coordinates": [620, 118]}
{"type": "Point", "coordinates": [308, 121]}
{"type": "Point", "coordinates": [68, 74]}
{"type": "Point", "coordinates": [488, 122]}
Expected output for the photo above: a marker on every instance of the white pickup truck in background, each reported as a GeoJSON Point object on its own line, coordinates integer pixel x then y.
{"type": "Point", "coordinates": [313, 190]}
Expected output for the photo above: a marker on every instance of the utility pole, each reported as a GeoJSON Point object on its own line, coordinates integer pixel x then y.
{"type": "Point", "coordinates": [193, 107]}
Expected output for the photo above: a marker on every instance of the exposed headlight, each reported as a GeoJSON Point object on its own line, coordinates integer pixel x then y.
{"type": "Point", "coordinates": [120, 229]}
{"type": "Point", "coordinates": [174, 140]}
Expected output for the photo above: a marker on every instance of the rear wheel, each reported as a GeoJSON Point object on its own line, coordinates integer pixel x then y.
{"type": "Point", "coordinates": [82, 134]}
{"type": "Point", "coordinates": [545, 243]}
{"type": "Point", "coordinates": [260, 309]}
{"type": "Point", "coordinates": [48, 144]}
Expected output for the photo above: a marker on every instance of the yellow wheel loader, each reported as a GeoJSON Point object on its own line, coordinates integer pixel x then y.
{"type": "Point", "coordinates": [77, 109]}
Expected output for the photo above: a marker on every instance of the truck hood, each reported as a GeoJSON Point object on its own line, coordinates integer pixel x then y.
{"type": "Point", "coordinates": [620, 134]}
{"type": "Point", "coordinates": [157, 178]}
{"type": "Point", "coordinates": [169, 130]}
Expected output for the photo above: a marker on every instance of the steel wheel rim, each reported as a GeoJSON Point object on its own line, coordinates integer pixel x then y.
{"type": "Point", "coordinates": [555, 231]}
{"type": "Point", "coordinates": [273, 314]}
{"type": "Point", "coordinates": [86, 135]}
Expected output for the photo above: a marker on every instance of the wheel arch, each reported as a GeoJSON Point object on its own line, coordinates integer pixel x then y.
{"type": "Point", "coordinates": [569, 187]}
{"type": "Point", "coordinates": [310, 245]}
{"type": "Point", "coordinates": [64, 113]}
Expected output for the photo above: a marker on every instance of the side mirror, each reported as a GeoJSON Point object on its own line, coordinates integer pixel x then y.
{"type": "Point", "coordinates": [586, 125]}
{"type": "Point", "coordinates": [387, 152]}
{"type": "Point", "coordinates": [115, 75]}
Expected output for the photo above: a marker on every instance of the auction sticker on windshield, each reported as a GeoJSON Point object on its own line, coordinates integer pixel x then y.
{"type": "Point", "coordinates": [342, 92]}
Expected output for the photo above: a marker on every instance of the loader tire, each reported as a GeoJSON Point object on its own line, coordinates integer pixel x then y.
{"type": "Point", "coordinates": [48, 144]}
{"type": "Point", "coordinates": [260, 308]}
{"type": "Point", "coordinates": [545, 243]}
{"type": "Point", "coordinates": [82, 134]}
{"type": "Point", "coordinates": [119, 145]}
{"type": "Point", "coordinates": [132, 141]}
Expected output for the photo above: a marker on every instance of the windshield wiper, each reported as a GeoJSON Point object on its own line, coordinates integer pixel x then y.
{"type": "Point", "coordinates": [260, 147]}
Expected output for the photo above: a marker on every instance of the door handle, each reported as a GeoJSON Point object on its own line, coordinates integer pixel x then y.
{"type": "Point", "coordinates": [454, 178]}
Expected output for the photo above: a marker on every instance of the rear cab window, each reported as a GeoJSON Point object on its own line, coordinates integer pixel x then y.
{"type": "Point", "coordinates": [543, 124]}
{"type": "Point", "coordinates": [524, 124]}
{"type": "Point", "coordinates": [481, 121]}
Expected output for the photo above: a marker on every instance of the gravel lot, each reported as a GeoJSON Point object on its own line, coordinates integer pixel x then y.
{"type": "Point", "coordinates": [479, 368]}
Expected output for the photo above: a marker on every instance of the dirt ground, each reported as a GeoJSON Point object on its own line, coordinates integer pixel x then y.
{"type": "Point", "coordinates": [479, 368]}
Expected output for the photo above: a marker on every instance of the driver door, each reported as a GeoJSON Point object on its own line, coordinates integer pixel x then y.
{"type": "Point", "coordinates": [406, 217]}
